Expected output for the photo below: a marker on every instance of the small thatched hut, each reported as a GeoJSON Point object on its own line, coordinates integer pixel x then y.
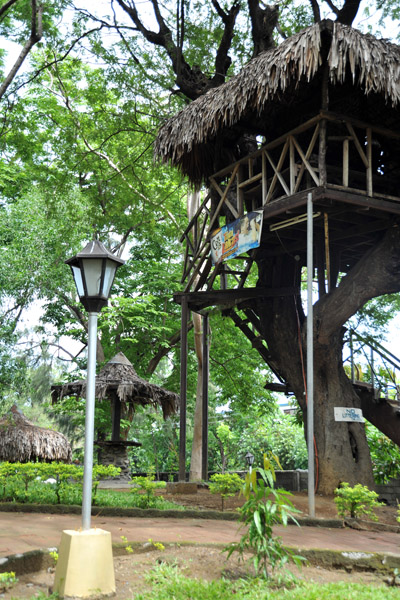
{"type": "Point", "coordinates": [23, 441]}
{"type": "Point", "coordinates": [119, 383]}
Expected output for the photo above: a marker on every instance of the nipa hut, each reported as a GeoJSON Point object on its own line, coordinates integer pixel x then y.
{"type": "Point", "coordinates": [316, 117]}
{"type": "Point", "coordinates": [23, 441]}
{"type": "Point", "coordinates": [281, 88]}
{"type": "Point", "coordinates": [118, 383]}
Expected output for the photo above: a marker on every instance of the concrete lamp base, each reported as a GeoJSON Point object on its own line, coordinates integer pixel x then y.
{"type": "Point", "coordinates": [85, 565]}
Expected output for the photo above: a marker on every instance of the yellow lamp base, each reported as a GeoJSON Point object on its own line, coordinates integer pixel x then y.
{"type": "Point", "coordinates": [85, 565]}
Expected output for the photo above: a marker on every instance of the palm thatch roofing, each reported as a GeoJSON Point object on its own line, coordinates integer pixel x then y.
{"type": "Point", "coordinates": [119, 379]}
{"type": "Point", "coordinates": [281, 88]}
{"type": "Point", "coordinates": [23, 441]}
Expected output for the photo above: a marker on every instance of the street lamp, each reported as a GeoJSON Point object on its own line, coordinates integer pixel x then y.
{"type": "Point", "coordinates": [85, 561]}
{"type": "Point", "coordinates": [249, 459]}
{"type": "Point", "coordinates": [94, 270]}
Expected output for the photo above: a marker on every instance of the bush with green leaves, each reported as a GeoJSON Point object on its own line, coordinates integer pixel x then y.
{"type": "Point", "coordinates": [265, 507]}
{"type": "Point", "coordinates": [385, 455]}
{"type": "Point", "coordinates": [225, 484]}
{"type": "Point", "coordinates": [143, 491]}
{"type": "Point", "coordinates": [356, 501]}
{"type": "Point", "coordinates": [25, 482]}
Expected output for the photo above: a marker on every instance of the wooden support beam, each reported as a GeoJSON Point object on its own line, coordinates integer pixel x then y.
{"type": "Point", "coordinates": [199, 300]}
{"type": "Point", "coordinates": [204, 421]}
{"type": "Point", "coordinates": [183, 391]}
{"type": "Point", "coordinates": [116, 419]}
{"type": "Point", "coordinates": [370, 191]}
{"type": "Point", "coordinates": [345, 167]}
{"type": "Point", "coordinates": [327, 252]}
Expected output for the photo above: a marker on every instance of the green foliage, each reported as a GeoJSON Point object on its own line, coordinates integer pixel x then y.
{"type": "Point", "coordinates": [25, 483]}
{"type": "Point", "coordinates": [225, 484]}
{"type": "Point", "coordinates": [7, 580]}
{"type": "Point", "coordinates": [385, 455]}
{"type": "Point", "coordinates": [168, 581]}
{"type": "Point", "coordinates": [356, 501]}
{"type": "Point", "coordinates": [265, 507]}
{"type": "Point", "coordinates": [20, 482]}
{"type": "Point", "coordinates": [143, 491]}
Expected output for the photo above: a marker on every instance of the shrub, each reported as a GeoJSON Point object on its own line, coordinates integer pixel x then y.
{"type": "Point", "coordinates": [356, 501]}
{"type": "Point", "coordinates": [148, 486]}
{"type": "Point", "coordinates": [225, 484]}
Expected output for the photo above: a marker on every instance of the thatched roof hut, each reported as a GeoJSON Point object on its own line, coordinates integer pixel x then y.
{"type": "Point", "coordinates": [281, 88]}
{"type": "Point", "coordinates": [23, 441]}
{"type": "Point", "coordinates": [119, 379]}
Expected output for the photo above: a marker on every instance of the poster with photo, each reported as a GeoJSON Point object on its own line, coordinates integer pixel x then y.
{"type": "Point", "coordinates": [237, 237]}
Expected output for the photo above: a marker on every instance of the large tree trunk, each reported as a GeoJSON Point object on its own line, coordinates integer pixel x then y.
{"type": "Point", "coordinates": [342, 452]}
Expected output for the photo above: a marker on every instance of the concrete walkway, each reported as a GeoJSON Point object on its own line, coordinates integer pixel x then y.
{"type": "Point", "coordinates": [22, 532]}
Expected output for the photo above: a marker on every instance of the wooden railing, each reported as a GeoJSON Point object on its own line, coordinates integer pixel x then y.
{"type": "Point", "coordinates": [329, 151]}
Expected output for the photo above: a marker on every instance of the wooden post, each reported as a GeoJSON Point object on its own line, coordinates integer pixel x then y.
{"type": "Point", "coordinates": [183, 391]}
{"type": "Point", "coordinates": [264, 182]}
{"type": "Point", "coordinates": [322, 154]}
{"type": "Point", "coordinates": [292, 166]}
{"type": "Point", "coordinates": [116, 419]}
{"type": "Point", "coordinates": [327, 253]}
{"type": "Point", "coordinates": [323, 177]}
{"type": "Point", "coordinates": [345, 174]}
{"type": "Point", "coordinates": [204, 421]}
{"type": "Point", "coordinates": [369, 160]}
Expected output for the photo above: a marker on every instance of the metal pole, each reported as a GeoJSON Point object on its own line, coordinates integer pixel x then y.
{"type": "Point", "coordinates": [310, 359]}
{"type": "Point", "coordinates": [183, 392]}
{"type": "Point", "coordinates": [204, 421]}
{"type": "Point", "coordinates": [89, 422]}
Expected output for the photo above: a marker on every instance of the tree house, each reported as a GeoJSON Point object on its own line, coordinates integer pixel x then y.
{"type": "Point", "coordinates": [318, 114]}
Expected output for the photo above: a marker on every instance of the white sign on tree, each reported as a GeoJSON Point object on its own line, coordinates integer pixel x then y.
{"type": "Point", "coordinates": [343, 413]}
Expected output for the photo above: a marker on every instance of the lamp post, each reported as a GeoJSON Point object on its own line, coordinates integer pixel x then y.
{"type": "Point", "coordinates": [94, 270]}
{"type": "Point", "coordinates": [249, 459]}
{"type": "Point", "coordinates": [85, 561]}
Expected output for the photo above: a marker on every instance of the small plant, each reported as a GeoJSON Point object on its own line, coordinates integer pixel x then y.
{"type": "Point", "coordinates": [7, 580]}
{"type": "Point", "coordinates": [128, 547]}
{"type": "Point", "coordinates": [264, 507]}
{"type": "Point", "coordinates": [54, 556]}
{"type": "Point", "coordinates": [148, 486]}
{"type": "Point", "coordinates": [157, 545]}
{"type": "Point", "coordinates": [356, 501]}
{"type": "Point", "coordinates": [225, 484]}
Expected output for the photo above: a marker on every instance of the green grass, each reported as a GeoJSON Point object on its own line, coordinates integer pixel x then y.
{"type": "Point", "coordinates": [168, 582]}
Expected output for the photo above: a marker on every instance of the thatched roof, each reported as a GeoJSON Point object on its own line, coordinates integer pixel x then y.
{"type": "Point", "coordinates": [277, 84]}
{"type": "Point", "coordinates": [119, 378]}
{"type": "Point", "coordinates": [23, 441]}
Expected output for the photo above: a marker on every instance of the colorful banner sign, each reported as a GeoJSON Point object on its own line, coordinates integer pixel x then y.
{"type": "Point", "coordinates": [236, 238]}
{"type": "Point", "coordinates": [353, 415]}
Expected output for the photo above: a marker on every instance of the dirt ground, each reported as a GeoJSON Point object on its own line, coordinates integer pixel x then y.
{"type": "Point", "coordinates": [199, 561]}
{"type": "Point", "coordinates": [194, 561]}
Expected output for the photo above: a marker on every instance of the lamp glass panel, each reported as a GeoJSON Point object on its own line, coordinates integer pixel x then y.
{"type": "Point", "coordinates": [111, 267]}
{"type": "Point", "coordinates": [78, 280]}
{"type": "Point", "coordinates": [92, 268]}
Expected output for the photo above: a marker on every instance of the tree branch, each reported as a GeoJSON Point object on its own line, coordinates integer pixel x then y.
{"type": "Point", "coordinates": [263, 23]}
{"type": "Point", "coordinates": [348, 12]}
{"type": "Point", "coordinates": [36, 35]}
{"type": "Point", "coordinates": [377, 273]}
{"type": "Point", "coordinates": [190, 80]}
{"type": "Point", "coordinates": [316, 11]}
